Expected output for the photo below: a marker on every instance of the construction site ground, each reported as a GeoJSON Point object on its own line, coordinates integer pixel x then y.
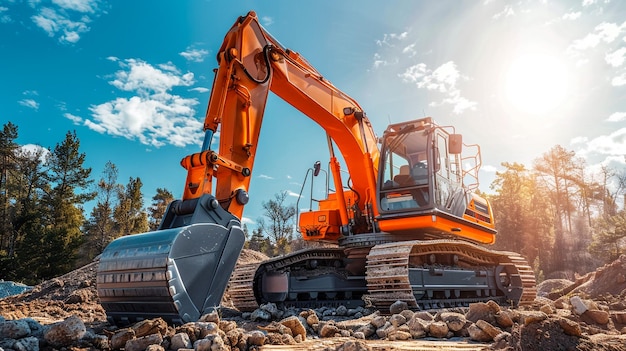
{"type": "Point", "coordinates": [603, 290]}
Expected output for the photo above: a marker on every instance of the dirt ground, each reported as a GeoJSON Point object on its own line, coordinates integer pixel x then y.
{"type": "Point", "coordinates": [75, 294]}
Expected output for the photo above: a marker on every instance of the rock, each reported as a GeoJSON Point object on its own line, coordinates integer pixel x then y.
{"type": "Point", "coordinates": [354, 345]}
{"type": "Point", "coordinates": [399, 335]}
{"type": "Point", "coordinates": [397, 307]}
{"type": "Point", "coordinates": [504, 319]}
{"type": "Point", "coordinates": [408, 314]}
{"type": "Point", "coordinates": [438, 329]}
{"type": "Point", "coordinates": [212, 316]}
{"type": "Point", "coordinates": [578, 305]}
{"type": "Point", "coordinates": [423, 315]}
{"type": "Point", "coordinates": [312, 319]}
{"type": "Point", "coordinates": [477, 334]}
{"type": "Point", "coordinates": [358, 335]}
{"type": "Point", "coordinates": [294, 324]}
{"type": "Point", "coordinates": [79, 296]}
{"type": "Point", "coordinates": [180, 341]}
{"type": "Point", "coordinates": [547, 309]}
{"type": "Point", "coordinates": [598, 317]}
{"type": "Point", "coordinates": [341, 311]}
{"type": "Point", "coordinates": [155, 348]}
{"type": "Point", "coordinates": [529, 317]}
{"type": "Point", "coordinates": [397, 320]}
{"type": "Point", "coordinates": [328, 330]}
{"type": "Point", "coordinates": [29, 343]}
{"type": "Point", "coordinates": [66, 332]}
{"type": "Point", "coordinates": [488, 328]}
{"type": "Point", "coordinates": [227, 326]}
{"type": "Point", "coordinates": [207, 328]}
{"type": "Point", "coordinates": [493, 306]}
{"type": "Point", "coordinates": [256, 337]}
{"type": "Point", "coordinates": [570, 327]}
{"type": "Point", "coordinates": [378, 321]}
{"type": "Point", "coordinates": [418, 328]}
{"type": "Point", "coordinates": [619, 317]}
{"type": "Point", "coordinates": [234, 336]}
{"type": "Point", "coordinates": [119, 339]}
{"type": "Point", "coordinates": [367, 330]}
{"type": "Point", "coordinates": [14, 329]}
{"type": "Point", "coordinates": [149, 327]}
{"type": "Point", "coordinates": [260, 315]}
{"type": "Point", "coordinates": [140, 344]}
{"type": "Point", "coordinates": [384, 330]}
{"type": "Point", "coordinates": [202, 345]}
{"type": "Point", "coordinates": [455, 321]}
{"type": "Point", "coordinates": [271, 309]}
{"type": "Point", "coordinates": [481, 310]}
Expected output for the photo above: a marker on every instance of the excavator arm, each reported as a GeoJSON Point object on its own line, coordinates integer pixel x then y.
{"type": "Point", "coordinates": [251, 64]}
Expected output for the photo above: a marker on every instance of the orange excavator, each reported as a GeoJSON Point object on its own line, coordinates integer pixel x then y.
{"type": "Point", "coordinates": [406, 225]}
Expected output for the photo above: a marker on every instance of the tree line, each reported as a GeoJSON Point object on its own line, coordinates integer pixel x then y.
{"type": "Point", "coordinates": [561, 217]}
{"type": "Point", "coordinates": [43, 229]}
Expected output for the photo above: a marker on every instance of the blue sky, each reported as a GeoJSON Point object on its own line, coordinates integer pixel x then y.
{"type": "Point", "coordinates": [133, 78]}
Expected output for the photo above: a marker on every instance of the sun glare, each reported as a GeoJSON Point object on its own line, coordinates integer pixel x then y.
{"type": "Point", "coordinates": [536, 84]}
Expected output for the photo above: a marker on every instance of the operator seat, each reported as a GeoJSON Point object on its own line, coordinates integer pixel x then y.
{"type": "Point", "coordinates": [404, 177]}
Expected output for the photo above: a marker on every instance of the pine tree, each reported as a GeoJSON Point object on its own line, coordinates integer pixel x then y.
{"type": "Point", "coordinates": [68, 181]}
{"type": "Point", "coordinates": [129, 215]}
{"type": "Point", "coordinates": [160, 201]}
{"type": "Point", "coordinates": [99, 228]}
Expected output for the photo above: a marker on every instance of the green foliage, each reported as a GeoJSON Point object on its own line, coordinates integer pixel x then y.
{"type": "Point", "coordinates": [609, 241]}
{"type": "Point", "coordinates": [160, 201]}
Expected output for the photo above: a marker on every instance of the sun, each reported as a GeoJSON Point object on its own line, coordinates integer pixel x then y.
{"type": "Point", "coordinates": [536, 83]}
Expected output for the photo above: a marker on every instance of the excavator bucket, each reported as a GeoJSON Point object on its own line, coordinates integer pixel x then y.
{"type": "Point", "coordinates": [178, 272]}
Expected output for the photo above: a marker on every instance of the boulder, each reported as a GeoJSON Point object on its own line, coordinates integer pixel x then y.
{"type": "Point", "coordinates": [438, 329]}
{"type": "Point", "coordinates": [477, 334]}
{"type": "Point", "coordinates": [294, 324]}
{"type": "Point", "coordinates": [140, 344]}
{"type": "Point", "coordinates": [14, 329]}
{"type": "Point", "coordinates": [570, 327]}
{"type": "Point", "coordinates": [66, 332]}
{"type": "Point", "coordinates": [397, 307]}
{"type": "Point", "coordinates": [455, 321]}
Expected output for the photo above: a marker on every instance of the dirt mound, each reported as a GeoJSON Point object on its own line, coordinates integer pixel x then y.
{"type": "Point", "coordinates": [607, 280]}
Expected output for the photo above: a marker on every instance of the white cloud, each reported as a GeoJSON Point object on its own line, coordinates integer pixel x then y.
{"type": "Point", "coordinates": [488, 168]}
{"type": "Point", "coordinates": [619, 80]}
{"type": "Point", "coordinates": [613, 144]}
{"type": "Point", "coordinates": [265, 176]}
{"type": "Point", "coordinates": [506, 12]}
{"type": "Point", "coordinates": [65, 20]}
{"type": "Point", "coordinates": [409, 50]}
{"type": "Point", "coordinates": [145, 78]}
{"type": "Point", "coordinates": [571, 16]}
{"type": "Point", "coordinates": [444, 80]}
{"type": "Point", "coordinates": [77, 5]}
{"type": "Point", "coordinates": [267, 21]}
{"type": "Point", "coordinates": [153, 116]}
{"type": "Point", "coordinates": [33, 149]}
{"type": "Point", "coordinates": [617, 117]}
{"type": "Point", "coordinates": [292, 194]}
{"type": "Point", "coordinates": [391, 39]}
{"type": "Point", "coordinates": [200, 89]}
{"type": "Point", "coordinates": [616, 58]}
{"type": "Point", "coordinates": [246, 220]}
{"type": "Point", "coordinates": [75, 119]}
{"type": "Point", "coordinates": [604, 32]}
{"type": "Point", "coordinates": [195, 55]}
{"type": "Point", "coordinates": [29, 103]}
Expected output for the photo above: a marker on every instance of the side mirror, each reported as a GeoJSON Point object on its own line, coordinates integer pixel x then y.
{"type": "Point", "coordinates": [455, 144]}
{"type": "Point", "coordinates": [316, 168]}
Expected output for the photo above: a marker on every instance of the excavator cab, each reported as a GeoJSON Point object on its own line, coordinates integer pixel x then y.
{"type": "Point", "coordinates": [422, 185]}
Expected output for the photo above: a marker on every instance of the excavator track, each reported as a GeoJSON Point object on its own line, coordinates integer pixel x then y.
{"type": "Point", "coordinates": [389, 270]}
{"type": "Point", "coordinates": [241, 287]}
{"type": "Point", "coordinates": [479, 274]}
